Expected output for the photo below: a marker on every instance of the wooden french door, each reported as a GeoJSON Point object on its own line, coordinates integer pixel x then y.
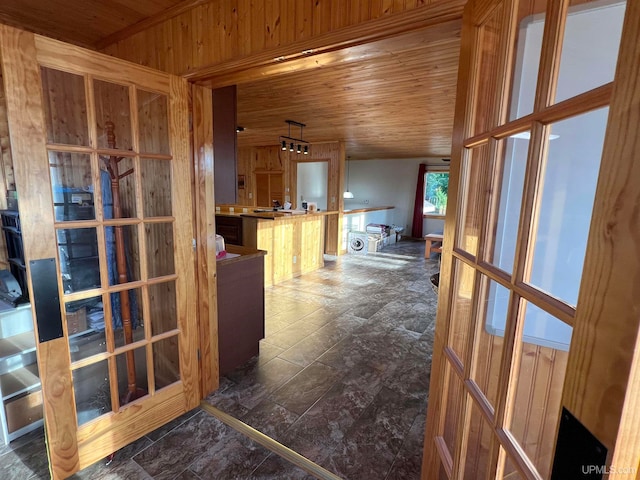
{"type": "Point", "coordinates": [101, 152]}
{"type": "Point", "coordinates": [517, 326]}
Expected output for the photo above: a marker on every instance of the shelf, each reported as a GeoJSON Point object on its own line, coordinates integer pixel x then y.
{"type": "Point", "coordinates": [19, 381]}
{"type": "Point", "coordinates": [17, 344]}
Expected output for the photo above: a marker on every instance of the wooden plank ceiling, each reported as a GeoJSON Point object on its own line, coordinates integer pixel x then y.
{"type": "Point", "coordinates": [388, 99]}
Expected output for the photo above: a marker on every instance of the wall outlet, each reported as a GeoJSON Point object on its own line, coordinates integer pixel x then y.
{"type": "Point", "coordinates": [295, 259]}
{"type": "Point", "coordinates": [250, 195]}
{"type": "Point", "coordinates": [366, 202]}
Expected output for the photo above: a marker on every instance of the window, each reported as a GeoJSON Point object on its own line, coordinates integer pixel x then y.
{"type": "Point", "coordinates": [436, 188]}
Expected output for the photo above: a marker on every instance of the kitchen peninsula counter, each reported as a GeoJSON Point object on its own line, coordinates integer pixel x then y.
{"type": "Point", "coordinates": [295, 243]}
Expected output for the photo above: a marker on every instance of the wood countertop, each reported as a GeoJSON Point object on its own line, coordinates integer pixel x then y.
{"type": "Point", "coordinates": [367, 209]}
{"type": "Point", "coordinates": [243, 253]}
{"type": "Point", "coordinates": [273, 215]}
{"type": "Point", "coordinates": [282, 215]}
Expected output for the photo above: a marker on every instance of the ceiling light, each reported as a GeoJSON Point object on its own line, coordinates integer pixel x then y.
{"type": "Point", "coordinates": [297, 145]}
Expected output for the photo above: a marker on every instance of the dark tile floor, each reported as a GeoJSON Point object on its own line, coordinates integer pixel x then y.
{"type": "Point", "coordinates": [342, 378]}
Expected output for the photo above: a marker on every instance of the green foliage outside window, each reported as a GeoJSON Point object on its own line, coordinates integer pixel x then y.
{"type": "Point", "coordinates": [436, 191]}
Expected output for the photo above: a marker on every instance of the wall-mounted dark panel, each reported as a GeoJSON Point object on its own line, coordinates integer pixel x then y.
{"type": "Point", "coordinates": [579, 454]}
{"type": "Point", "coordinates": [46, 298]}
{"type": "Point", "coordinates": [224, 145]}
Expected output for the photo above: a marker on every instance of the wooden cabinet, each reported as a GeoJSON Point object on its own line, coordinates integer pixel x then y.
{"type": "Point", "coordinates": [21, 405]}
{"type": "Point", "coordinates": [269, 187]}
{"type": "Point", "coordinates": [230, 227]}
{"type": "Point", "coordinates": [240, 307]}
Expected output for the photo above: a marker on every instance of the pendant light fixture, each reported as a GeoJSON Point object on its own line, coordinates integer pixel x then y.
{"type": "Point", "coordinates": [347, 193]}
{"type": "Point", "coordinates": [297, 145]}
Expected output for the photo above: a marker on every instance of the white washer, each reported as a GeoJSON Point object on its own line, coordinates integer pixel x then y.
{"type": "Point", "coordinates": [358, 243]}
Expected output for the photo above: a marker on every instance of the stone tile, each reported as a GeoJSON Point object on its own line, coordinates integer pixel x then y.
{"type": "Point", "coordinates": [35, 435]}
{"type": "Point", "coordinates": [277, 467]}
{"type": "Point", "coordinates": [271, 419]}
{"type": "Point", "coordinates": [125, 470]}
{"type": "Point", "coordinates": [268, 352]}
{"type": "Point", "coordinates": [27, 461]}
{"type": "Point", "coordinates": [408, 462]}
{"type": "Point", "coordinates": [291, 334]}
{"type": "Point", "coordinates": [233, 457]}
{"type": "Point", "coordinates": [187, 475]}
{"type": "Point", "coordinates": [177, 450]}
{"type": "Point", "coordinates": [259, 380]}
{"type": "Point", "coordinates": [411, 378]}
{"type": "Point", "coordinates": [306, 388]}
{"type": "Point", "coordinates": [324, 315]}
{"type": "Point", "coordinates": [324, 425]}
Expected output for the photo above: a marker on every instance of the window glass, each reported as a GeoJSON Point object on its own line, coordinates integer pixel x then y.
{"type": "Point", "coordinates": [436, 189]}
{"type": "Point", "coordinates": [570, 178]}
{"type": "Point", "coordinates": [590, 46]}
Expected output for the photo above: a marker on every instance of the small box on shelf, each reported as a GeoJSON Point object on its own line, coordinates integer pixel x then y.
{"type": "Point", "coordinates": [77, 321]}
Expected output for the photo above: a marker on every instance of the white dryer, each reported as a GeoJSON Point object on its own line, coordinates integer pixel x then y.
{"type": "Point", "coordinates": [358, 243]}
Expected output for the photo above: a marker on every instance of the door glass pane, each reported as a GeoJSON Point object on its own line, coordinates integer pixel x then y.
{"type": "Point", "coordinates": [113, 115]}
{"type": "Point", "coordinates": [590, 46]}
{"type": "Point", "coordinates": [92, 391]}
{"type": "Point", "coordinates": [132, 375]}
{"type": "Point", "coordinates": [475, 178]}
{"type": "Point", "coordinates": [166, 362]}
{"type": "Point", "coordinates": [79, 264]}
{"type": "Point", "coordinates": [118, 184]}
{"type": "Point", "coordinates": [510, 470]}
{"type": "Point", "coordinates": [72, 186]}
{"type": "Point", "coordinates": [455, 394]}
{"type": "Point", "coordinates": [156, 187]}
{"type": "Point", "coordinates": [490, 340]}
{"type": "Point", "coordinates": [531, 17]}
{"type": "Point", "coordinates": [82, 317]}
{"type": "Point", "coordinates": [124, 266]}
{"type": "Point", "coordinates": [65, 107]}
{"type": "Point", "coordinates": [461, 308]}
{"type": "Point", "coordinates": [477, 459]}
{"type": "Point", "coordinates": [126, 307]}
{"type": "Point", "coordinates": [513, 169]}
{"type": "Point", "coordinates": [442, 475]}
{"type": "Point", "coordinates": [569, 185]}
{"type": "Point", "coordinates": [488, 73]}
{"type": "Point", "coordinates": [159, 249]}
{"type": "Point", "coordinates": [153, 122]}
{"type": "Point", "coordinates": [162, 306]}
{"type": "Point", "coordinates": [539, 385]}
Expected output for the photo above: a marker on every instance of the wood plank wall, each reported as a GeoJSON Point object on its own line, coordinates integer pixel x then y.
{"type": "Point", "coordinates": [218, 31]}
{"type": "Point", "coordinates": [252, 160]}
